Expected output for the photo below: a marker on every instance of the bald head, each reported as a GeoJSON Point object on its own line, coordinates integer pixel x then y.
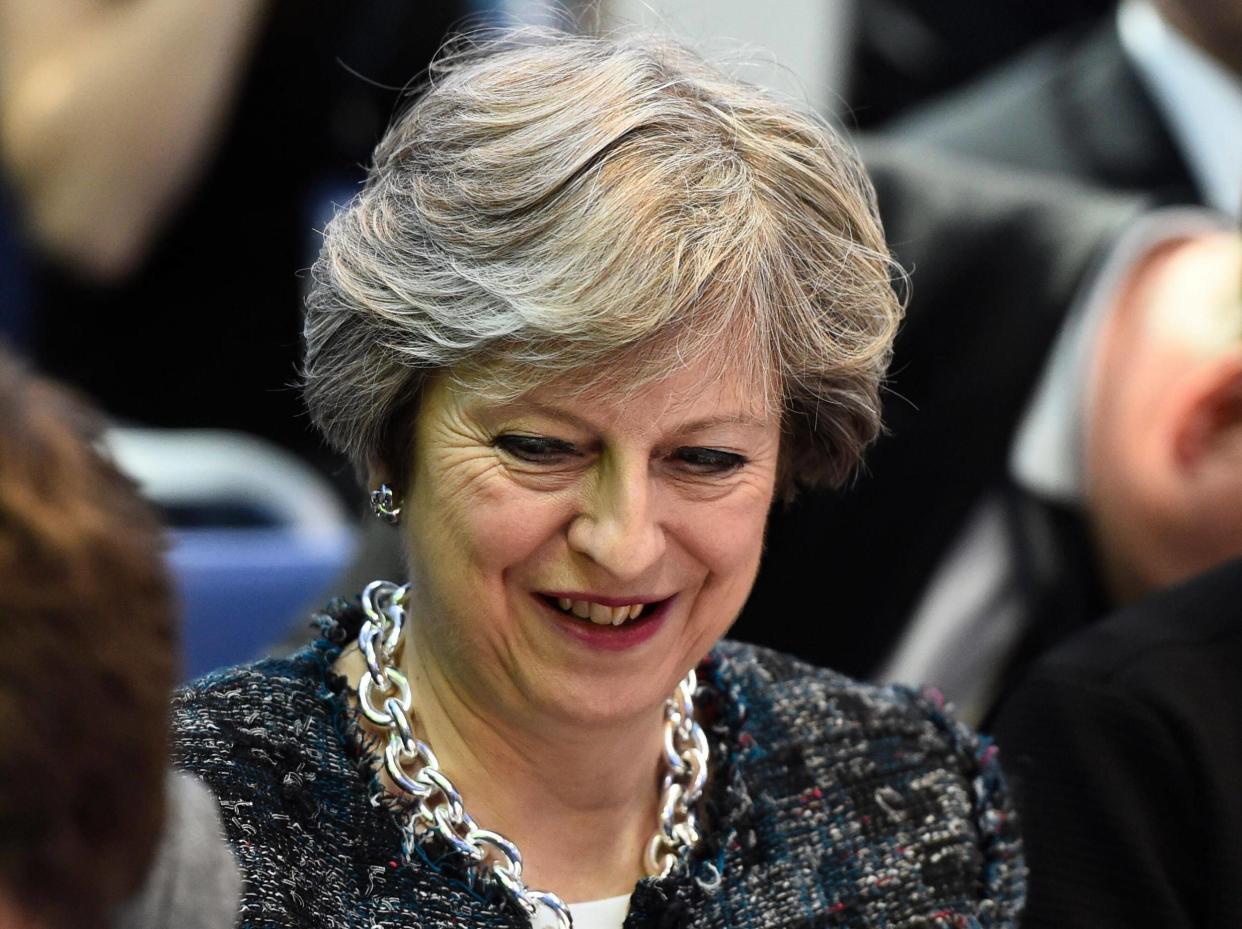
{"type": "Point", "coordinates": [1164, 437]}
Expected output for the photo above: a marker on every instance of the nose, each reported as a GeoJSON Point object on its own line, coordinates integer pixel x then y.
{"type": "Point", "coordinates": [618, 525]}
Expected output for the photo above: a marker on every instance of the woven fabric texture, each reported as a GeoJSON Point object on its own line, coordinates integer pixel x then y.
{"type": "Point", "coordinates": [831, 803]}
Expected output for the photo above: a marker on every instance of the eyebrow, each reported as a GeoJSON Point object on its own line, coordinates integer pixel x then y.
{"type": "Point", "coordinates": [695, 425]}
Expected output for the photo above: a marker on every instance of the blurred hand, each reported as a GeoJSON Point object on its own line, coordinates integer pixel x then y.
{"type": "Point", "coordinates": [107, 109]}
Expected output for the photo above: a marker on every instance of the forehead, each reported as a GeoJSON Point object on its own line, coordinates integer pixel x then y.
{"type": "Point", "coordinates": [697, 392]}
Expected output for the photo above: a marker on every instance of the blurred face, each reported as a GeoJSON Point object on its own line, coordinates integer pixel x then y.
{"type": "Point", "coordinates": [572, 558]}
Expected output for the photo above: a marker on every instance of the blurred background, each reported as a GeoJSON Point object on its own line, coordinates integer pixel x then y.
{"type": "Point", "coordinates": [164, 169]}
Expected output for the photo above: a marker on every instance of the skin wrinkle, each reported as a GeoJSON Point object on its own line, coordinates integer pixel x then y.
{"type": "Point", "coordinates": [507, 697]}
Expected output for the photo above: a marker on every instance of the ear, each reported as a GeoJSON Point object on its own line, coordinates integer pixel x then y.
{"type": "Point", "coordinates": [1209, 427]}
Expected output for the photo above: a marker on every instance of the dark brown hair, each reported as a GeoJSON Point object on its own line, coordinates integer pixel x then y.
{"type": "Point", "coordinates": [86, 661]}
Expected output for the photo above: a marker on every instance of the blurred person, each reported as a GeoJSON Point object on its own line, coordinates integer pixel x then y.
{"type": "Point", "coordinates": [1149, 99]}
{"type": "Point", "coordinates": [94, 831]}
{"type": "Point", "coordinates": [905, 52]}
{"type": "Point", "coordinates": [1127, 454]}
{"type": "Point", "coordinates": [977, 538]}
{"type": "Point", "coordinates": [1124, 752]}
{"type": "Point", "coordinates": [596, 307]}
{"type": "Point", "coordinates": [1162, 452]}
{"type": "Point", "coordinates": [979, 485]}
{"type": "Point", "coordinates": [170, 159]}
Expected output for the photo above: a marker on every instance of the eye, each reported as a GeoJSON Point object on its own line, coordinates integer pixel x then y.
{"type": "Point", "coordinates": [535, 449]}
{"type": "Point", "coordinates": [708, 460]}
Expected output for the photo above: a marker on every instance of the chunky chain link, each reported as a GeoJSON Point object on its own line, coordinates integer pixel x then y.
{"type": "Point", "coordinates": [384, 695]}
{"type": "Point", "coordinates": [685, 760]}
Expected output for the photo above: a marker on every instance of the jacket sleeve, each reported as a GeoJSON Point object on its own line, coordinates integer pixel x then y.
{"type": "Point", "coordinates": [1003, 873]}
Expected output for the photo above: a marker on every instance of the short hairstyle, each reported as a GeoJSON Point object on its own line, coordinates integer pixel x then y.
{"type": "Point", "coordinates": [553, 205]}
{"type": "Point", "coordinates": [86, 662]}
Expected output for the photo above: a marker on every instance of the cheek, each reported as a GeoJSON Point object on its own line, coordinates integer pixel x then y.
{"type": "Point", "coordinates": [728, 542]}
{"type": "Point", "coordinates": [732, 541]}
{"type": "Point", "coordinates": [484, 525]}
{"type": "Point", "coordinates": [511, 531]}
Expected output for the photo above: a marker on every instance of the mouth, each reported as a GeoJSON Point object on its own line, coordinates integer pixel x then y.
{"type": "Point", "coordinates": [613, 613]}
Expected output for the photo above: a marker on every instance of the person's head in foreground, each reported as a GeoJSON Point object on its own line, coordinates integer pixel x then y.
{"type": "Point", "coordinates": [595, 308]}
{"type": "Point", "coordinates": [86, 665]}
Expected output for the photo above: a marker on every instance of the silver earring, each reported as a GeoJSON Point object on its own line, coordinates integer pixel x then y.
{"type": "Point", "coordinates": [384, 505]}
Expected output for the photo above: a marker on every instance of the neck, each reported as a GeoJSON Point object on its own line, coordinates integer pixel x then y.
{"type": "Point", "coordinates": [579, 801]}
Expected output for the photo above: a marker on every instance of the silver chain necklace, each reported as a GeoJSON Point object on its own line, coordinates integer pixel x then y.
{"type": "Point", "coordinates": [439, 809]}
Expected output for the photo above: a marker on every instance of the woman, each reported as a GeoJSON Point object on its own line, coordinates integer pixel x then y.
{"type": "Point", "coordinates": [595, 308]}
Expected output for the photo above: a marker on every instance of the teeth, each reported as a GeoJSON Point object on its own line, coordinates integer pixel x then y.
{"type": "Point", "coordinates": [598, 613]}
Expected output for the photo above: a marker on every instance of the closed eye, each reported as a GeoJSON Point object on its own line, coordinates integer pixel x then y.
{"type": "Point", "coordinates": [708, 460]}
{"type": "Point", "coordinates": [535, 449]}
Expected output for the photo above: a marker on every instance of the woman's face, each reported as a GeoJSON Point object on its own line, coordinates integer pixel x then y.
{"type": "Point", "coordinates": [573, 557]}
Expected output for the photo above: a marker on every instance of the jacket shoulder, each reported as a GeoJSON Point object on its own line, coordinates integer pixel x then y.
{"type": "Point", "coordinates": [903, 810]}
{"type": "Point", "coordinates": [267, 738]}
{"type": "Point", "coordinates": [273, 693]}
{"type": "Point", "coordinates": [798, 701]}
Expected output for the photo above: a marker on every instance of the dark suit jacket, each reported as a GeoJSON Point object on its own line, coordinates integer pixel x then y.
{"type": "Point", "coordinates": [995, 259]}
{"type": "Point", "coordinates": [1124, 746]}
{"type": "Point", "coordinates": [1073, 106]}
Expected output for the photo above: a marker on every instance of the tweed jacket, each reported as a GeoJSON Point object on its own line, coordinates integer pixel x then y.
{"type": "Point", "coordinates": [830, 803]}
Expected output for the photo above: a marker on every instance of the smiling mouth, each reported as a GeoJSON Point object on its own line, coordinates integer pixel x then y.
{"type": "Point", "coordinates": [598, 613]}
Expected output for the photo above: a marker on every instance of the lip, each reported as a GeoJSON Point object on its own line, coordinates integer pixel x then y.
{"type": "Point", "coordinates": [608, 638]}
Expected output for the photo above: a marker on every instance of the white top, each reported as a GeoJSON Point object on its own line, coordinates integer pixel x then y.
{"type": "Point", "coordinates": [592, 914]}
{"type": "Point", "coordinates": [1200, 100]}
{"type": "Point", "coordinates": [601, 914]}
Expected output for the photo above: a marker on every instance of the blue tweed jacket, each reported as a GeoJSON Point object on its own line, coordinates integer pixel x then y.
{"type": "Point", "coordinates": [831, 804]}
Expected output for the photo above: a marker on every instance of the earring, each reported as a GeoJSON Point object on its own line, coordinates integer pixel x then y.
{"type": "Point", "coordinates": [384, 505]}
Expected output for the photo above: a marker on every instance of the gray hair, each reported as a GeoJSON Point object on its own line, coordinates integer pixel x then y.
{"type": "Point", "coordinates": [559, 205]}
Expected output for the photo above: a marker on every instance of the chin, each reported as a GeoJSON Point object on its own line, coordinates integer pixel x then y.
{"type": "Point", "coordinates": [603, 697]}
